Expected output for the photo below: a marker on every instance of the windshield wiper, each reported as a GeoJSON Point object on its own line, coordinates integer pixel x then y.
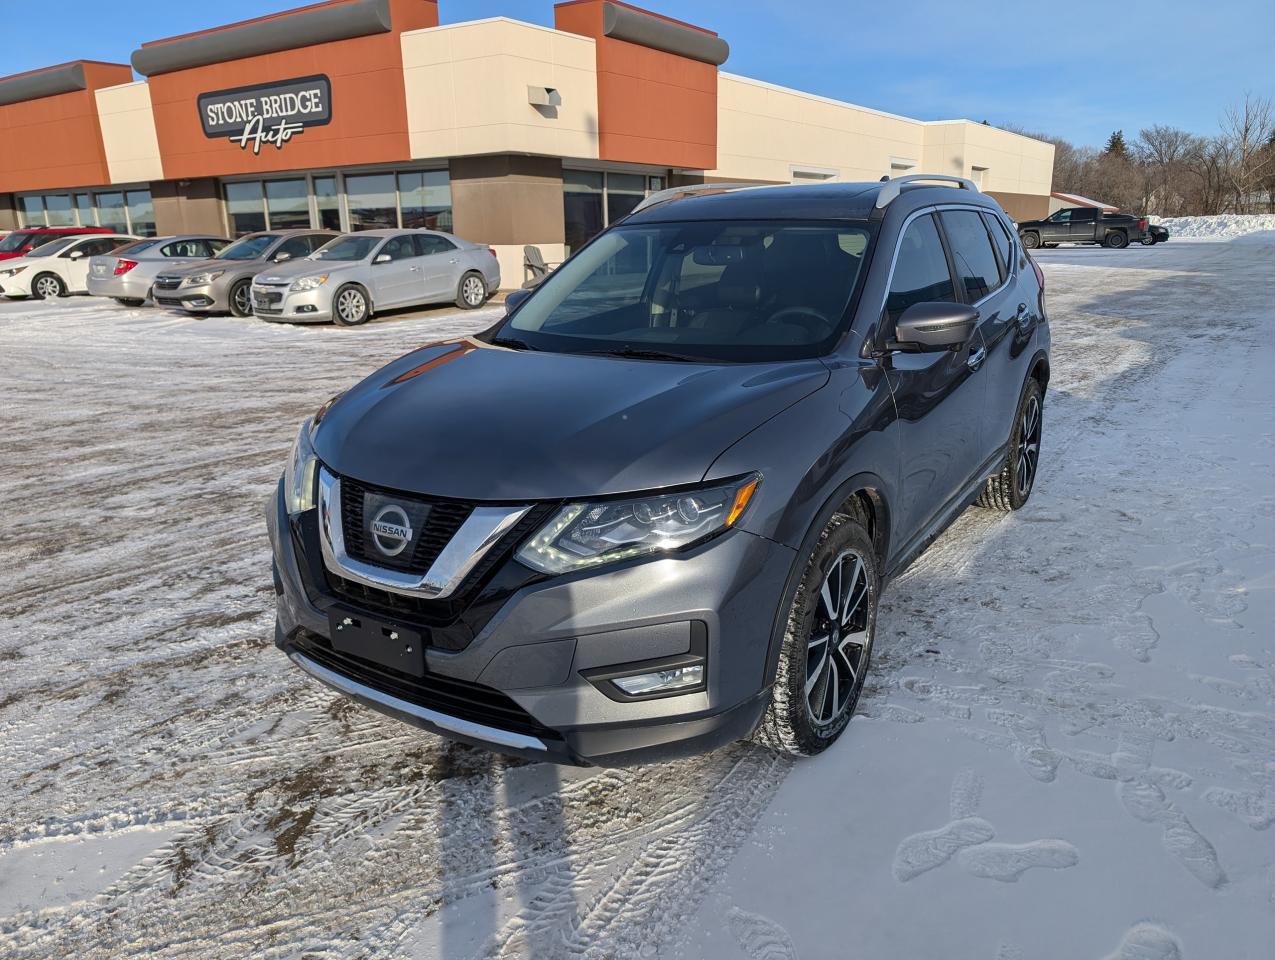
{"type": "Point", "coordinates": [633, 353]}
{"type": "Point", "coordinates": [513, 343]}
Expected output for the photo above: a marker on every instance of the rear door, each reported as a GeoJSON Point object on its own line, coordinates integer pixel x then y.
{"type": "Point", "coordinates": [938, 396]}
{"type": "Point", "coordinates": [1084, 224]}
{"type": "Point", "coordinates": [399, 280]}
{"type": "Point", "coordinates": [441, 266]}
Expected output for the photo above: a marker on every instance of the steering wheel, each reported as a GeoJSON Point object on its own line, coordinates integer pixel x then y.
{"type": "Point", "coordinates": [811, 319]}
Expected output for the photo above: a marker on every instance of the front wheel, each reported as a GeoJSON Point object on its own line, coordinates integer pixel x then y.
{"type": "Point", "coordinates": [129, 301]}
{"type": "Point", "coordinates": [241, 298]}
{"type": "Point", "coordinates": [472, 292]}
{"type": "Point", "coordinates": [1148, 241]}
{"type": "Point", "coordinates": [827, 642]}
{"type": "Point", "coordinates": [350, 307]}
{"type": "Point", "coordinates": [1010, 488]}
{"type": "Point", "coordinates": [1031, 240]}
{"type": "Point", "coordinates": [48, 286]}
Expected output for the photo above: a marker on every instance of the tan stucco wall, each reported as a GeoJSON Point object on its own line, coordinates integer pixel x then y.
{"type": "Point", "coordinates": [467, 85]}
{"type": "Point", "coordinates": [128, 133]}
{"type": "Point", "coordinates": [188, 206]}
{"type": "Point", "coordinates": [765, 131]}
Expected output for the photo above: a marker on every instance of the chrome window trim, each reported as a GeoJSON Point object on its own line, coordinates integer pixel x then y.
{"type": "Point", "coordinates": [476, 536]}
{"type": "Point", "coordinates": [466, 728]}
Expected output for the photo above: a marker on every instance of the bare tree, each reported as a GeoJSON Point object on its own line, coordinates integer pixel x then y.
{"type": "Point", "coordinates": [1249, 126]}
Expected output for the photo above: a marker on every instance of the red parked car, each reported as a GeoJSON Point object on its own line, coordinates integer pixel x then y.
{"type": "Point", "coordinates": [20, 242]}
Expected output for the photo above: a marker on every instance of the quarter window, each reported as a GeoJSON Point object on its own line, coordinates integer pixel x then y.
{"type": "Point", "coordinates": [921, 273]}
{"type": "Point", "coordinates": [977, 270]}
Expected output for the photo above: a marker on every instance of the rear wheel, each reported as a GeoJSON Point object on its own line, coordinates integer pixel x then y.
{"type": "Point", "coordinates": [827, 642]}
{"type": "Point", "coordinates": [472, 292]}
{"type": "Point", "coordinates": [350, 307]}
{"type": "Point", "coordinates": [128, 301]}
{"type": "Point", "coordinates": [1115, 240]}
{"type": "Point", "coordinates": [1010, 488]}
{"type": "Point", "coordinates": [1031, 240]}
{"type": "Point", "coordinates": [241, 298]}
{"type": "Point", "coordinates": [48, 286]}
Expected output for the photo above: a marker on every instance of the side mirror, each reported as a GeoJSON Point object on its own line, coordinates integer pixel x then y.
{"type": "Point", "coordinates": [282, 256]}
{"type": "Point", "coordinates": [75, 254]}
{"type": "Point", "coordinates": [514, 300]}
{"type": "Point", "coordinates": [382, 258]}
{"type": "Point", "coordinates": [927, 327]}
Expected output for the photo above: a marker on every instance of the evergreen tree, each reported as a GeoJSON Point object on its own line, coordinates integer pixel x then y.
{"type": "Point", "coordinates": [1116, 145]}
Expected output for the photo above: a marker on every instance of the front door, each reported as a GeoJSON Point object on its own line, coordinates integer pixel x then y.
{"type": "Point", "coordinates": [938, 396]}
{"type": "Point", "coordinates": [400, 279]}
{"type": "Point", "coordinates": [1057, 229]}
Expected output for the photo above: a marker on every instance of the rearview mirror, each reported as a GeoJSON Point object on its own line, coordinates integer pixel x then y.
{"type": "Point", "coordinates": [934, 326]}
{"type": "Point", "coordinates": [512, 300]}
{"type": "Point", "coordinates": [382, 258]}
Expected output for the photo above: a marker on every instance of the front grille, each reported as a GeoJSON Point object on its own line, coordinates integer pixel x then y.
{"type": "Point", "coordinates": [443, 519]}
{"type": "Point", "coordinates": [456, 698]}
{"type": "Point", "coordinates": [167, 283]}
{"type": "Point", "coordinates": [168, 302]}
{"type": "Point", "coordinates": [264, 298]}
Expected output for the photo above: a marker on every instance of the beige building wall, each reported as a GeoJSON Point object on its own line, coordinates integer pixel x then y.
{"type": "Point", "coordinates": [1009, 162]}
{"type": "Point", "coordinates": [467, 90]}
{"type": "Point", "coordinates": [128, 133]}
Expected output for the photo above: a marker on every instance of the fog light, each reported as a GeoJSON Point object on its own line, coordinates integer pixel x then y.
{"type": "Point", "coordinates": [665, 681]}
{"type": "Point", "coordinates": [307, 308]}
{"type": "Point", "coordinates": [201, 302]}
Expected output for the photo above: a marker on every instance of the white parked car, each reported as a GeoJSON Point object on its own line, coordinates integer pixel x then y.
{"type": "Point", "coordinates": [57, 268]}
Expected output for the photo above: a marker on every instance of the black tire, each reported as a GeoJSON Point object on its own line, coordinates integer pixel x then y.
{"type": "Point", "coordinates": [1148, 241]}
{"type": "Point", "coordinates": [241, 299]}
{"type": "Point", "coordinates": [471, 292]}
{"type": "Point", "coordinates": [128, 301]}
{"type": "Point", "coordinates": [346, 309]}
{"type": "Point", "coordinates": [1031, 240]}
{"type": "Point", "coordinates": [790, 724]}
{"type": "Point", "coordinates": [47, 285]}
{"type": "Point", "coordinates": [1116, 240]}
{"type": "Point", "coordinates": [1049, 246]}
{"type": "Point", "coordinates": [1012, 485]}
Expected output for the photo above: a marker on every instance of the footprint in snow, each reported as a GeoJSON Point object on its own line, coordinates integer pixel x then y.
{"type": "Point", "coordinates": [1009, 861]}
{"type": "Point", "coordinates": [1146, 941]}
{"type": "Point", "coordinates": [760, 937]}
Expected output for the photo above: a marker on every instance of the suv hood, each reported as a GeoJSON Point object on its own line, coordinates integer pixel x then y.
{"type": "Point", "coordinates": [468, 420]}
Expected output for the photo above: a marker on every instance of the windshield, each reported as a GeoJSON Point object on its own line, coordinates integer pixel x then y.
{"type": "Point", "coordinates": [137, 246]}
{"type": "Point", "coordinates": [249, 248]}
{"type": "Point", "coordinates": [14, 241]}
{"type": "Point", "coordinates": [347, 248]}
{"type": "Point", "coordinates": [52, 247]}
{"type": "Point", "coordinates": [718, 290]}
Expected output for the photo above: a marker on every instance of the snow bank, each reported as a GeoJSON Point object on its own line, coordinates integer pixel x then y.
{"type": "Point", "coordinates": [1225, 226]}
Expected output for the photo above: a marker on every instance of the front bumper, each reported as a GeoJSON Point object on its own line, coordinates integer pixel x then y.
{"type": "Point", "coordinates": [124, 287]}
{"type": "Point", "coordinates": [536, 642]}
{"type": "Point", "coordinates": [309, 306]}
{"type": "Point", "coordinates": [16, 286]}
{"type": "Point", "coordinates": [208, 298]}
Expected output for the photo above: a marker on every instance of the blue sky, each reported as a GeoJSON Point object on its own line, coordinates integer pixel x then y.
{"type": "Point", "coordinates": [1079, 70]}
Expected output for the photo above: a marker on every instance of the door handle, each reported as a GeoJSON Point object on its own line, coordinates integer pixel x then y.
{"type": "Point", "coordinates": [453, 260]}
{"type": "Point", "coordinates": [416, 269]}
{"type": "Point", "coordinates": [976, 358]}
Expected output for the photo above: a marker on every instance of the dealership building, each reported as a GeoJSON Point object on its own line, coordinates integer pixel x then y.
{"type": "Point", "coordinates": [355, 114]}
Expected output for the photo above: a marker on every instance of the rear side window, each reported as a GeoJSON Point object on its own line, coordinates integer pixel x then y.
{"type": "Point", "coordinates": [921, 273]}
{"type": "Point", "coordinates": [977, 271]}
{"type": "Point", "coordinates": [1088, 215]}
{"type": "Point", "coordinates": [428, 243]}
{"type": "Point", "coordinates": [185, 248]}
{"type": "Point", "coordinates": [97, 248]}
{"type": "Point", "coordinates": [1004, 245]}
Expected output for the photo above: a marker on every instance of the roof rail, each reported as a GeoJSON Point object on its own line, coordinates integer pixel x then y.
{"type": "Point", "coordinates": [689, 190]}
{"type": "Point", "coordinates": [894, 186]}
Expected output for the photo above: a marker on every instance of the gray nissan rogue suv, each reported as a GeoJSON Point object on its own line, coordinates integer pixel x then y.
{"type": "Point", "coordinates": [652, 510]}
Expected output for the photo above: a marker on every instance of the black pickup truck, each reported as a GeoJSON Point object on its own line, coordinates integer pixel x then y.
{"type": "Point", "coordinates": [1083, 225]}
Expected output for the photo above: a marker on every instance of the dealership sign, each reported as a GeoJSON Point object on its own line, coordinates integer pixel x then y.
{"type": "Point", "coordinates": [268, 113]}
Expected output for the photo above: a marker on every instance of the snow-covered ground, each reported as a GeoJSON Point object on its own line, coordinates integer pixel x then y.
{"type": "Point", "coordinates": [1225, 226]}
{"type": "Point", "coordinates": [1067, 750]}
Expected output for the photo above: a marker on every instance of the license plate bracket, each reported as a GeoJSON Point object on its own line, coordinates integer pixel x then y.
{"type": "Point", "coordinates": [389, 644]}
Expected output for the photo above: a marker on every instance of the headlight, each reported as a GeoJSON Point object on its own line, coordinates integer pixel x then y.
{"type": "Point", "coordinates": [11, 271]}
{"type": "Point", "coordinates": [200, 279]}
{"type": "Point", "coordinates": [309, 283]}
{"type": "Point", "coordinates": [298, 479]}
{"type": "Point", "coordinates": [583, 535]}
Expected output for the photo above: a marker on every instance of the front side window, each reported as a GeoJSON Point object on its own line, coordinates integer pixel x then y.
{"type": "Point", "coordinates": [921, 274]}
{"type": "Point", "coordinates": [249, 248]}
{"type": "Point", "coordinates": [739, 291]}
{"type": "Point", "coordinates": [399, 248]}
{"type": "Point", "coordinates": [348, 248]}
{"type": "Point", "coordinates": [292, 248]}
{"type": "Point", "coordinates": [1062, 216]}
{"type": "Point", "coordinates": [977, 270]}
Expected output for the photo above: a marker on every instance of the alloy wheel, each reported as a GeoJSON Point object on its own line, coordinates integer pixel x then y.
{"type": "Point", "coordinates": [1028, 446]}
{"type": "Point", "coordinates": [472, 290]}
{"type": "Point", "coordinates": [48, 287]}
{"type": "Point", "coordinates": [837, 649]}
{"type": "Point", "coordinates": [243, 300]}
{"type": "Point", "coordinates": [351, 306]}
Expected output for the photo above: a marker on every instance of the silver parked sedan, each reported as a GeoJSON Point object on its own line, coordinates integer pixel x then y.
{"type": "Point", "coordinates": [360, 273]}
{"type": "Point", "coordinates": [127, 274]}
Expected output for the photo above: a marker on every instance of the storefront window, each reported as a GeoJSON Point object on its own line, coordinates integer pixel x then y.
{"type": "Point", "coordinates": [581, 206]}
{"type": "Point", "coordinates": [84, 205]}
{"type": "Point", "coordinates": [624, 192]}
{"type": "Point", "coordinates": [288, 204]}
{"type": "Point", "coordinates": [371, 201]}
{"type": "Point", "coordinates": [33, 211]}
{"type": "Point", "coordinates": [244, 207]}
{"type": "Point", "coordinates": [141, 213]}
{"type": "Point", "coordinates": [426, 199]}
{"type": "Point", "coordinates": [110, 207]}
{"type": "Point", "coordinates": [58, 208]}
{"type": "Point", "coordinates": [327, 202]}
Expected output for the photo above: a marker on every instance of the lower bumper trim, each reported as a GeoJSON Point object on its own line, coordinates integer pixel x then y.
{"type": "Point", "coordinates": [463, 728]}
